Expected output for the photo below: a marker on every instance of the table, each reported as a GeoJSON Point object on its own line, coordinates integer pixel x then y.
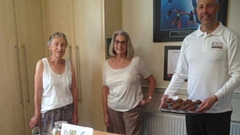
{"type": "Point", "coordinates": [96, 132]}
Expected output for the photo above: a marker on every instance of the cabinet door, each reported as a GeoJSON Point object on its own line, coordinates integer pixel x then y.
{"type": "Point", "coordinates": [82, 22]}
{"type": "Point", "coordinates": [11, 102]}
{"type": "Point", "coordinates": [58, 15]}
{"type": "Point", "coordinates": [30, 39]}
{"type": "Point", "coordinates": [88, 37]}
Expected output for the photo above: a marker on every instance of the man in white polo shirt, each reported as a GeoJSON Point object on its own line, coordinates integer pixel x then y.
{"type": "Point", "coordinates": [210, 61]}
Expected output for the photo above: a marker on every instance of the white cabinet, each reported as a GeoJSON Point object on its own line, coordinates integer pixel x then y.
{"type": "Point", "coordinates": [58, 18]}
{"type": "Point", "coordinates": [89, 35]}
{"type": "Point", "coordinates": [11, 101]}
{"type": "Point", "coordinates": [24, 30]}
{"type": "Point", "coordinates": [21, 46]}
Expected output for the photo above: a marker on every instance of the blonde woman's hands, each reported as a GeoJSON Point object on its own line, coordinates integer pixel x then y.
{"type": "Point", "coordinates": [145, 101]}
{"type": "Point", "coordinates": [107, 120]}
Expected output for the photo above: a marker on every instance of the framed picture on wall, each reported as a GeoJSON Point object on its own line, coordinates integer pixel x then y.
{"type": "Point", "coordinates": [173, 20]}
{"type": "Point", "coordinates": [171, 55]}
{"type": "Point", "coordinates": [108, 42]}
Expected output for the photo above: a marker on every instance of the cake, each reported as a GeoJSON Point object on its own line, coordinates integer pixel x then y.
{"type": "Point", "coordinates": [198, 102]}
{"type": "Point", "coordinates": [183, 108]}
{"type": "Point", "coordinates": [165, 106]}
{"type": "Point", "coordinates": [179, 104]}
{"type": "Point", "coordinates": [192, 109]}
{"type": "Point", "coordinates": [179, 100]}
{"type": "Point", "coordinates": [172, 103]}
{"type": "Point", "coordinates": [184, 103]}
{"type": "Point", "coordinates": [192, 104]}
{"type": "Point", "coordinates": [169, 100]}
{"type": "Point", "coordinates": [188, 101]}
{"type": "Point", "coordinates": [187, 105]}
{"type": "Point", "coordinates": [175, 107]}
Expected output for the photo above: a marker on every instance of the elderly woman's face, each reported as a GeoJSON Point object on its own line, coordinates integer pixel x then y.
{"type": "Point", "coordinates": [120, 45]}
{"type": "Point", "coordinates": [58, 47]}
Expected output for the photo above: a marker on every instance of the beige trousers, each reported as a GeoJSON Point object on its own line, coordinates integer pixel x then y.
{"type": "Point", "coordinates": [127, 123]}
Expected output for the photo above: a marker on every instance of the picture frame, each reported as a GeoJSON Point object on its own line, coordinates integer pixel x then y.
{"type": "Point", "coordinates": [171, 55]}
{"type": "Point", "coordinates": [108, 42]}
{"type": "Point", "coordinates": [172, 21]}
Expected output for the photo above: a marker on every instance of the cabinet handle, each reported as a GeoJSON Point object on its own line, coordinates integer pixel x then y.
{"type": "Point", "coordinates": [70, 53]}
{"type": "Point", "coordinates": [26, 71]}
{"type": "Point", "coordinates": [19, 72]}
{"type": "Point", "coordinates": [78, 74]}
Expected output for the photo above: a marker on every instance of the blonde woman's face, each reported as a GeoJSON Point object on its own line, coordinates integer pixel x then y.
{"type": "Point", "coordinates": [120, 45]}
{"type": "Point", "coordinates": [58, 47]}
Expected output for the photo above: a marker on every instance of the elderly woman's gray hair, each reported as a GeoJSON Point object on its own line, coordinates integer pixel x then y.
{"type": "Point", "coordinates": [57, 34]}
{"type": "Point", "coordinates": [130, 49]}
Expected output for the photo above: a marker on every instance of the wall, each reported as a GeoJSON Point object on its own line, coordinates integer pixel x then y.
{"type": "Point", "coordinates": [138, 22]}
{"type": "Point", "coordinates": [113, 16]}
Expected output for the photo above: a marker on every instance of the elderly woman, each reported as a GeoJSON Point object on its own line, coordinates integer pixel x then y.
{"type": "Point", "coordinates": [56, 96]}
{"type": "Point", "coordinates": [122, 92]}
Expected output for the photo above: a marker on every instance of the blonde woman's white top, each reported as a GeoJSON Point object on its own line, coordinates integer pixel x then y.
{"type": "Point", "coordinates": [125, 90]}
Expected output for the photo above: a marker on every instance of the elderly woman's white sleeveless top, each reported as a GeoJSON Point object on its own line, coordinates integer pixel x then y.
{"type": "Point", "coordinates": [56, 87]}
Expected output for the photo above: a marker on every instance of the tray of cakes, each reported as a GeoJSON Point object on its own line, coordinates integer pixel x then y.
{"type": "Point", "coordinates": [180, 105]}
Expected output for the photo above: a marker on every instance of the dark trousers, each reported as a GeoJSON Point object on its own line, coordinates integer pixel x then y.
{"type": "Point", "coordinates": [208, 123]}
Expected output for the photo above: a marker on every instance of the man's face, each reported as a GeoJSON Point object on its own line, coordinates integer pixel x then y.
{"type": "Point", "coordinates": [207, 11]}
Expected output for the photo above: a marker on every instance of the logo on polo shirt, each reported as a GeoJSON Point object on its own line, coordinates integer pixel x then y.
{"type": "Point", "coordinates": [218, 45]}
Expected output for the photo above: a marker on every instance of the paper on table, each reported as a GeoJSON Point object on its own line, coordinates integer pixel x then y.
{"type": "Point", "coordinates": [69, 129]}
